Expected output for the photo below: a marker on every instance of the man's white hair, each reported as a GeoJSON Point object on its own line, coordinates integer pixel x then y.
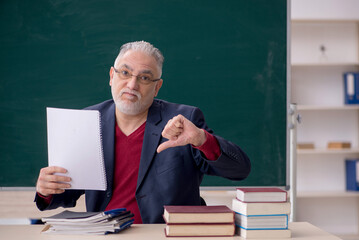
{"type": "Point", "coordinates": [144, 47]}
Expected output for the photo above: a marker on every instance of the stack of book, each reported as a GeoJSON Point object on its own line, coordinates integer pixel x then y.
{"type": "Point", "coordinates": [261, 213]}
{"type": "Point", "coordinates": [194, 221]}
{"type": "Point", "coordinates": [68, 222]}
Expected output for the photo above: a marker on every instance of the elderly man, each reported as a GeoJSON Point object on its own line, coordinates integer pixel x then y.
{"type": "Point", "coordinates": [155, 152]}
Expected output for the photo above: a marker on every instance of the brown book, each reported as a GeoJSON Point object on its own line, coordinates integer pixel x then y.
{"type": "Point", "coordinates": [339, 145]}
{"type": "Point", "coordinates": [305, 145]}
{"type": "Point", "coordinates": [198, 214]}
{"type": "Point", "coordinates": [259, 194]}
{"type": "Point", "coordinates": [200, 230]}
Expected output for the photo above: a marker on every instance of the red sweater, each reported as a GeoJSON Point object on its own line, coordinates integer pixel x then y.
{"type": "Point", "coordinates": [127, 162]}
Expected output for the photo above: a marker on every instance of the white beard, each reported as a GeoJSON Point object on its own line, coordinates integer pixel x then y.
{"type": "Point", "coordinates": [128, 107]}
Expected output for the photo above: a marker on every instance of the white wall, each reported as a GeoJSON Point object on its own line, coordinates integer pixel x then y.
{"type": "Point", "coordinates": [325, 9]}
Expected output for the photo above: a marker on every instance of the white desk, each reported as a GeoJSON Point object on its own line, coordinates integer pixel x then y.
{"type": "Point", "coordinates": [300, 231]}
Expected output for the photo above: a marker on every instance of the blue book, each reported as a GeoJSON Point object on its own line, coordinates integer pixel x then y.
{"type": "Point", "coordinates": [261, 222]}
{"type": "Point", "coordinates": [351, 87]}
{"type": "Point", "coordinates": [352, 174]}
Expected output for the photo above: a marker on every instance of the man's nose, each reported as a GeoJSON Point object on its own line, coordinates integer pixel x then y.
{"type": "Point", "coordinates": [132, 82]}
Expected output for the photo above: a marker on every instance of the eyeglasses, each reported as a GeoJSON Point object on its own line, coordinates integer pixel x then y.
{"type": "Point", "coordinates": [142, 78]}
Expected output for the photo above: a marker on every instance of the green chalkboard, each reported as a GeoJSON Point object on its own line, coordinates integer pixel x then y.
{"type": "Point", "coordinates": [226, 57]}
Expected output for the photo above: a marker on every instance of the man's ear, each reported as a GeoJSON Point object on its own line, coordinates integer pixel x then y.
{"type": "Point", "coordinates": [158, 86]}
{"type": "Point", "coordinates": [111, 75]}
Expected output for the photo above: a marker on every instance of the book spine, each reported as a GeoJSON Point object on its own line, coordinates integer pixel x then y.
{"type": "Point", "coordinates": [351, 88]}
{"type": "Point", "coordinates": [352, 176]}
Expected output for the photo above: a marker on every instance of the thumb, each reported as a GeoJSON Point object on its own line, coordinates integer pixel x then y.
{"type": "Point", "coordinates": [165, 145]}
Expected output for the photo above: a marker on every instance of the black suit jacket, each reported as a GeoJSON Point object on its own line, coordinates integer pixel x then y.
{"type": "Point", "coordinates": [171, 177]}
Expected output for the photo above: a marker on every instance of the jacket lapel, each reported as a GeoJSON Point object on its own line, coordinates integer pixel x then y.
{"type": "Point", "coordinates": [150, 141]}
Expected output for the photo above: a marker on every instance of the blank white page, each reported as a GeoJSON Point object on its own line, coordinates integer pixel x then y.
{"type": "Point", "coordinates": [74, 143]}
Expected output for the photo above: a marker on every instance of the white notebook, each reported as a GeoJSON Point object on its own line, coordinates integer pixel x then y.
{"type": "Point", "coordinates": [75, 143]}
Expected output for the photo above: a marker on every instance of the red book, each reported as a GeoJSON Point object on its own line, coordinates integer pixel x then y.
{"type": "Point", "coordinates": [198, 214]}
{"type": "Point", "coordinates": [200, 230]}
{"type": "Point", "coordinates": [202, 221]}
{"type": "Point", "coordinates": [256, 194]}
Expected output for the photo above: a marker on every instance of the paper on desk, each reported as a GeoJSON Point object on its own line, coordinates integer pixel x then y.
{"type": "Point", "coordinates": [74, 143]}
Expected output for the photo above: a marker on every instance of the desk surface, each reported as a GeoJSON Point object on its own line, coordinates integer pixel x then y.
{"type": "Point", "coordinates": [300, 230]}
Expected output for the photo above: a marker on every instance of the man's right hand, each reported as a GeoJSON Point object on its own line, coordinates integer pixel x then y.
{"type": "Point", "coordinates": [48, 183]}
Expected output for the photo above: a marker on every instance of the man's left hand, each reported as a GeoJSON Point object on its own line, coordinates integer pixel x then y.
{"type": "Point", "coordinates": [180, 131]}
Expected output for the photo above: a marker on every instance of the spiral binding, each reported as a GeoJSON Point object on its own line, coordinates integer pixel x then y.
{"type": "Point", "coordinates": [104, 180]}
